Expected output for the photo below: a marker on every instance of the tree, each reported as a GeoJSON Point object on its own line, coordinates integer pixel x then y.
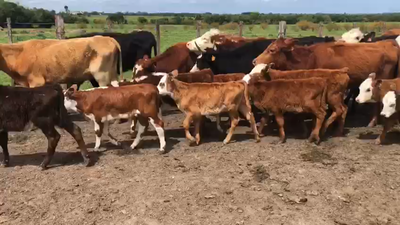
{"type": "Point", "coordinates": [117, 18]}
{"type": "Point", "coordinates": [66, 9]}
{"type": "Point", "coordinates": [142, 20]}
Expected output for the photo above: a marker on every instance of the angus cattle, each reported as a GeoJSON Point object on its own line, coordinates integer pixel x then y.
{"type": "Point", "coordinates": [374, 90]}
{"type": "Point", "coordinates": [176, 57]}
{"type": "Point", "coordinates": [22, 109]}
{"type": "Point", "coordinates": [240, 60]}
{"type": "Point", "coordinates": [134, 46]}
{"type": "Point", "coordinates": [36, 62]}
{"type": "Point", "coordinates": [297, 96]}
{"type": "Point", "coordinates": [380, 57]}
{"type": "Point", "coordinates": [356, 36]}
{"type": "Point", "coordinates": [370, 37]}
{"type": "Point", "coordinates": [200, 99]}
{"type": "Point", "coordinates": [337, 82]}
{"type": "Point", "coordinates": [102, 105]}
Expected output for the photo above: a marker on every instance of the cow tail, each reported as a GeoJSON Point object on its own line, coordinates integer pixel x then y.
{"type": "Point", "coordinates": [60, 108]}
{"type": "Point", "coordinates": [120, 71]}
{"type": "Point", "coordinates": [155, 48]}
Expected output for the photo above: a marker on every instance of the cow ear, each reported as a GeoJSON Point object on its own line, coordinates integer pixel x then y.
{"type": "Point", "coordinates": [174, 73]}
{"type": "Point", "coordinates": [393, 87]}
{"type": "Point", "coordinates": [74, 87]}
{"type": "Point", "coordinates": [377, 83]}
{"type": "Point", "coordinates": [145, 57]}
{"type": "Point", "coordinates": [289, 44]}
{"type": "Point", "coordinates": [265, 74]}
{"type": "Point", "coordinates": [372, 76]}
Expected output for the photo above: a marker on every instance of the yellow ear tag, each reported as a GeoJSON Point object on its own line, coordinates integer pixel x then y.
{"type": "Point", "coordinates": [213, 58]}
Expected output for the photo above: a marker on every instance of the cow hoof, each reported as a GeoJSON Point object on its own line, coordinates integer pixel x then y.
{"type": "Point", "coordinates": [371, 124]}
{"type": "Point", "coordinates": [43, 167]}
{"type": "Point", "coordinates": [192, 142]}
{"type": "Point", "coordinates": [378, 141]}
{"type": "Point", "coordinates": [4, 164]}
{"type": "Point", "coordinates": [96, 149]}
{"type": "Point", "coordinates": [162, 151]}
{"type": "Point", "coordinates": [225, 142]}
{"type": "Point", "coordinates": [87, 162]}
{"type": "Point", "coordinates": [258, 140]}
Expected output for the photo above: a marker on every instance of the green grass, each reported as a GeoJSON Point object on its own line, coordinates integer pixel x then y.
{"type": "Point", "coordinates": [170, 35]}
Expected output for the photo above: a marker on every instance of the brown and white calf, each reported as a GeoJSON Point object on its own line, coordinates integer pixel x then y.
{"type": "Point", "coordinates": [296, 96]}
{"type": "Point", "coordinates": [374, 90]}
{"type": "Point", "coordinates": [105, 104]}
{"type": "Point", "coordinates": [200, 99]}
{"type": "Point", "coordinates": [337, 80]}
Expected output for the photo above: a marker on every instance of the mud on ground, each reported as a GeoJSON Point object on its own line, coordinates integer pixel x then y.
{"type": "Point", "coordinates": [347, 180]}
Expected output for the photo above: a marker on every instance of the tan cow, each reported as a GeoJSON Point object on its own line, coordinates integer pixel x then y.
{"type": "Point", "coordinates": [36, 62]}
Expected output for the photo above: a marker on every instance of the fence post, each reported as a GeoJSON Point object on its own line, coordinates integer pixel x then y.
{"type": "Point", "coordinates": [282, 29]}
{"type": "Point", "coordinates": [109, 25]}
{"type": "Point", "coordinates": [10, 40]}
{"type": "Point", "coordinates": [60, 34]}
{"type": "Point", "coordinates": [240, 28]}
{"type": "Point", "coordinates": [384, 27]}
{"type": "Point", "coordinates": [354, 25]}
{"type": "Point", "coordinates": [320, 29]}
{"type": "Point", "coordinates": [158, 37]}
{"type": "Point", "coordinates": [198, 28]}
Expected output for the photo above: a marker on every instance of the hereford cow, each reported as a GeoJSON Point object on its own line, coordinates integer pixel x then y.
{"type": "Point", "coordinates": [36, 62]}
{"type": "Point", "coordinates": [42, 107]}
{"type": "Point", "coordinates": [177, 57]}
{"type": "Point", "coordinates": [337, 81]}
{"type": "Point", "coordinates": [240, 60]}
{"type": "Point", "coordinates": [134, 46]}
{"type": "Point", "coordinates": [390, 110]}
{"type": "Point", "coordinates": [200, 99]}
{"type": "Point", "coordinates": [380, 57]}
{"type": "Point", "coordinates": [296, 96]}
{"type": "Point", "coordinates": [356, 36]}
{"type": "Point", "coordinates": [373, 90]}
{"type": "Point", "coordinates": [102, 105]}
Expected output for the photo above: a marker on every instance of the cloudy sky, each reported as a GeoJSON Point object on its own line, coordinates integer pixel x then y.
{"type": "Point", "coordinates": [221, 6]}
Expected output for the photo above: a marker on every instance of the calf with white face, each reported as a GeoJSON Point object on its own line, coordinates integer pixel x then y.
{"type": "Point", "coordinates": [390, 103]}
{"type": "Point", "coordinates": [353, 36]}
{"type": "Point", "coordinates": [204, 42]}
{"type": "Point", "coordinates": [366, 90]}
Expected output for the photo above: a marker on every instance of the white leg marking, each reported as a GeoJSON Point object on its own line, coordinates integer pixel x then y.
{"type": "Point", "coordinates": [160, 133]}
{"type": "Point", "coordinates": [131, 131]}
{"type": "Point", "coordinates": [113, 140]}
{"type": "Point", "coordinates": [138, 136]}
{"type": "Point", "coordinates": [98, 138]}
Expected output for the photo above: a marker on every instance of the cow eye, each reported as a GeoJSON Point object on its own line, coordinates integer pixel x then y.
{"type": "Point", "coordinates": [162, 85]}
{"type": "Point", "coordinates": [358, 38]}
{"type": "Point", "coordinates": [369, 89]}
{"type": "Point", "coordinates": [392, 105]}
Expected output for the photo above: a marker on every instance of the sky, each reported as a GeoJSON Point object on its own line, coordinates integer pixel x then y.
{"type": "Point", "coordinates": [221, 6]}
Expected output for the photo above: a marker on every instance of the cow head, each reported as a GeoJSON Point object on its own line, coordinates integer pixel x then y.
{"type": "Point", "coordinates": [165, 86]}
{"type": "Point", "coordinates": [276, 53]}
{"type": "Point", "coordinates": [390, 102]}
{"type": "Point", "coordinates": [368, 37]}
{"type": "Point", "coordinates": [353, 36]}
{"type": "Point", "coordinates": [256, 73]}
{"type": "Point", "coordinates": [201, 44]}
{"type": "Point", "coordinates": [366, 89]}
{"type": "Point", "coordinates": [143, 67]}
{"type": "Point", "coordinates": [69, 102]}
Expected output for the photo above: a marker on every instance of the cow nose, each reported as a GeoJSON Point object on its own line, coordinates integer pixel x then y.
{"type": "Point", "coordinates": [357, 100]}
{"type": "Point", "coordinates": [188, 45]}
{"type": "Point", "coordinates": [254, 61]}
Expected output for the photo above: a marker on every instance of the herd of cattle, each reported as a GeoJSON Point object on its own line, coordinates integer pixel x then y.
{"type": "Point", "coordinates": [212, 75]}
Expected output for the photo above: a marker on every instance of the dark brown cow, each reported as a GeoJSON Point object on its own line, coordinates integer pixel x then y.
{"type": "Point", "coordinates": [42, 107]}
{"type": "Point", "coordinates": [102, 105]}
{"type": "Point", "coordinates": [337, 81]}
{"type": "Point", "coordinates": [380, 57]}
{"type": "Point", "coordinates": [176, 57]}
{"type": "Point", "coordinates": [227, 42]}
{"type": "Point", "coordinates": [200, 99]}
{"type": "Point", "coordinates": [296, 96]}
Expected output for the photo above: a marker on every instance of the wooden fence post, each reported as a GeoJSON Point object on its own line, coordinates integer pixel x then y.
{"type": "Point", "coordinates": [354, 25]}
{"type": "Point", "coordinates": [384, 27]}
{"type": "Point", "coordinates": [320, 29]}
{"type": "Point", "coordinates": [240, 28]}
{"type": "Point", "coordinates": [198, 28]}
{"type": "Point", "coordinates": [60, 34]}
{"type": "Point", "coordinates": [10, 41]}
{"type": "Point", "coordinates": [158, 37]}
{"type": "Point", "coordinates": [282, 29]}
{"type": "Point", "coordinates": [109, 25]}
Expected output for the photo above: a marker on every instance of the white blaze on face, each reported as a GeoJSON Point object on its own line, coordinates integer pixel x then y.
{"type": "Point", "coordinates": [353, 36]}
{"type": "Point", "coordinates": [162, 86]}
{"type": "Point", "coordinates": [159, 74]}
{"type": "Point", "coordinates": [365, 94]}
{"type": "Point", "coordinates": [389, 104]}
{"type": "Point", "coordinates": [70, 104]}
{"type": "Point", "coordinates": [398, 40]}
{"type": "Point", "coordinates": [258, 68]}
{"type": "Point", "coordinates": [137, 68]}
{"type": "Point", "coordinates": [203, 42]}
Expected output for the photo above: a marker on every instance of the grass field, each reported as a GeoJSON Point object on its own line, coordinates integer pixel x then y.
{"type": "Point", "coordinates": [170, 34]}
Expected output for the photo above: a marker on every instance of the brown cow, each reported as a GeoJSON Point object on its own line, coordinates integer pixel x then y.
{"type": "Point", "coordinates": [297, 96]}
{"type": "Point", "coordinates": [200, 99]}
{"type": "Point", "coordinates": [392, 32]}
{"type": "Point", "coordinates": [227, 42]}
{"type": "Point", "coordinates": [374, 90]}
{"type": "Point", "coordinates": [380, 57]}
{"type": "Point", "coordinates": [36, 62]}
{"type": "Point", "coordinates": [337, 81]}
{"type": "Point", "coordinates": [177, 57]}
{"type": "Point", "coordinates": [105, 104]}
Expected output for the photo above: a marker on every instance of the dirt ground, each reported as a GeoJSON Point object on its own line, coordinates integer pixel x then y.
{"type": "Point", "coordinates": [343, 181]}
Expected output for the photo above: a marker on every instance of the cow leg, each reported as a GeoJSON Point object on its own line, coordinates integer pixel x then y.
{"type": "Point", "coordinates": [186, 125]}
{"type": "Point", "coordinates": [76, 133]}
{"type": "Point", "coordinates": [112, 139]}
{"type": "Point", "coordinates": [218, 122]}
{"type": "Point", "coordinates": [197, 123]}
{"type": "Point", "coordinates": [142, 124]}
{"type": "Point", "coordinates": [341, 121]}
{"type": "Point", "coordinates": [388, 124]}
{"type": "Point", "coordinates": [3, 144]}
{"type": "Point", "coordinates": [98, 129]}
{"type": "Point", "coordinates": [158, 125]}
{"type": "Point", "coordinates": [234, 115]}
{"type": "Point", "coordinates": [376, 112]}
{"type": "Point", "coordinates": [52, 138]}
{"type": "Point", "coordinates": [336, 113]}
{"type": "Point", "coordinates": [94, 82]}
{"type": "Point", "coordinates": [246, 111]}
{"type": "Point", "coordinates": [263, 121]}
{"type": "Point", "coordinates": [320, 116]}
{"type": "Point", "coordinates": [280, 120]}
{"type": "Point", "coordinates": [133, 121]}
